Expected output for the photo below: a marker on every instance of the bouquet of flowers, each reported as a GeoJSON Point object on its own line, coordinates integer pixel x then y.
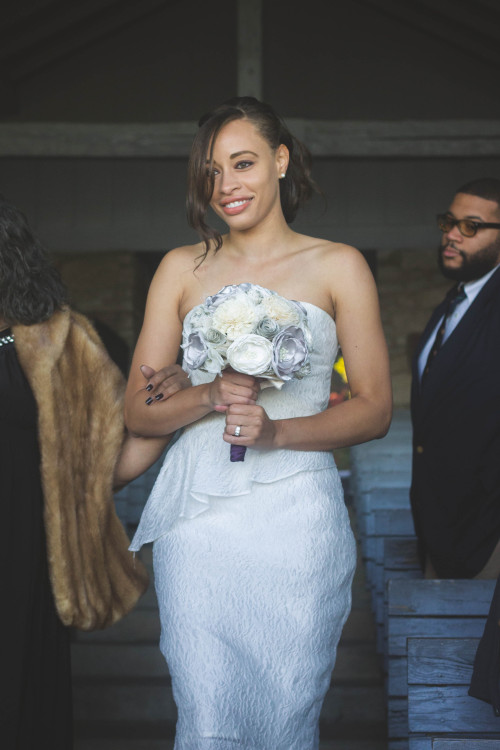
{"type": "Point", "coordinates": [253, 330]}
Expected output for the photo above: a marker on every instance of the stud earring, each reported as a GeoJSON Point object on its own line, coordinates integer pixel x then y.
{"type": "Point", "coordinates": [282, 176]}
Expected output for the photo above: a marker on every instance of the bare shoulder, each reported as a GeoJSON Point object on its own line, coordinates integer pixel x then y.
{"type": "Point", "coordinates": [336, 260]}
{"type": "Point", "coordinates": [180, 260]}
{"type": "Point", "coordinates": [344, 258]}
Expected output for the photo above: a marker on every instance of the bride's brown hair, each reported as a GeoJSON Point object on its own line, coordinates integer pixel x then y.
{"type": "Point", "coordinates": [295, 188]}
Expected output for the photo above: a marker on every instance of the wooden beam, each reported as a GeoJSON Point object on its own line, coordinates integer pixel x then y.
{"type": "Point", "coordinates": [325, 138]}
{"type": "Point", "coordinates": [250, 48]}
{"type": "Point", "coordinates": [43, 23]}
{"type": "Point", "coordinates": [28, 54]}
{"type": "Point", "coordinates": [453, 28]}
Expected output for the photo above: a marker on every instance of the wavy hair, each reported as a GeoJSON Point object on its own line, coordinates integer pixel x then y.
{"type": "Point", "coordinates": [295, 189]}
{"type": "Point", "coordinates": [31, 289]}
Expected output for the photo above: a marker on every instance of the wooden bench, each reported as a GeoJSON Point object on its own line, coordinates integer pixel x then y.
{"type": "Point", "coordinates": [377, 475]}
{"type": "Point", "coordinates": [439, 674]}
{"type": "Point", "coordinates": [383, 463]}
{"type": "Point", "coordinates": [400, 561]}
{"type": "Point", "coordinates": [396, 524]}
{"type": "Point", "coordinates": [426, 608]}
{"type": "Point", "coordinates": [443, 743]}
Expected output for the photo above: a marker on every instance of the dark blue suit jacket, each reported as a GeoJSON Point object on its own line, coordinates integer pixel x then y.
{"type": "Point", "coordinates": [455, 491]}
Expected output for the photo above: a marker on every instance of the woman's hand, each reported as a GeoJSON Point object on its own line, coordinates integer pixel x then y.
{"type": "Point", "coordinates": [255, 427]}
{"type": "Point", "coordinates": [232, 388]}
{"type": "Point", "coordinates": [164, 382]}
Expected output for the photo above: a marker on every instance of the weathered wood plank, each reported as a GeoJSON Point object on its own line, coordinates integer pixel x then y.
{"type": "Point", "coordinates": [420, 743]}
{"type": "Point", "coordinates": [436, 709]}
{"type": "Point", "coordinates": [437, 661]}
{"type": "Point", "coordinates": [250, 48]}
{"type": "Point", "coordinates": [440, 598]}
{"type": "Point", "coordinates": [400, 629]}
{"type": "Point", "coordinates": [401, 554]}
{"type": "Point", "coordinates": [395, 522]}
{"type": "Point", "coordinates": [425, 608]}
{"type": "Point", "coordinates": [406, 138]}
{"type": "Point", "coordinates": [384, 498]}
{"type": "Point", "coordinates": [397, 745]}
{"type": "Point", "coordinates": [443, 743]}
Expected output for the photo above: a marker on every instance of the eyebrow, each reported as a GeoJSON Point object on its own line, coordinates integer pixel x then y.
{"type": "Point", "coordinates": [240, 153]}
{"type": "Point", "coordinates": [473, 217]}
{"type": "Point", "coordinates": [236, 154]}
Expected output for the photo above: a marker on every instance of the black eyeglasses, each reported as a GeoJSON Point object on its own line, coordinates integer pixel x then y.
{"type": "Point", "coordinates": [466, 227]}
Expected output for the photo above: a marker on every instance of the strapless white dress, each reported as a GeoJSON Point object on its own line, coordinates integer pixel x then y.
{"type": "Point", "coordinates": [253, 568]}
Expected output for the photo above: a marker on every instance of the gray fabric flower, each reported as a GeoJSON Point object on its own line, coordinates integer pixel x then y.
{"type": "Point", "coordinates": [195, 351]}
{"type": "Point", "coordinates": [303, 372]}
{"type": "Point", "coordinates": [267, 327]}
{"type": "Point", "coordinates": [290, 352]}
{"type": "Point", "coordinates": [226, 291]}
{"type": "Point", "coordinates": [213, 336]}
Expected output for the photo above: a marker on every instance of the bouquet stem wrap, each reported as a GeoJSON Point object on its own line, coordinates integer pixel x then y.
{"type": "Point", "coordinates": [237, 452]}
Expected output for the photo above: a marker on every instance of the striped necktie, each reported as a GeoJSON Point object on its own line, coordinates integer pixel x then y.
{"type": "Point", "coordinates": [455, 296]}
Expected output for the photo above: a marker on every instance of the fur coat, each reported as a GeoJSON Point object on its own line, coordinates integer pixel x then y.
{"type": "Point", "coordinates": [79, 393]}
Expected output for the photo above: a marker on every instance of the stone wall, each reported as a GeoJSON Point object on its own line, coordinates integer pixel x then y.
{"type": "Point", "coordinates": [111, 289]}
{"type": "Point", "coordinates": [410, 286]}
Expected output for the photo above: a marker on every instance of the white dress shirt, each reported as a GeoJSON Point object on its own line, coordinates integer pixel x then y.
{"type": "Point", "coordinates": [471, 289]}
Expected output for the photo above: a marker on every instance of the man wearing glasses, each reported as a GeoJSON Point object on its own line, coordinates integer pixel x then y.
{"type": "Point", "coordinates": [455, 404]}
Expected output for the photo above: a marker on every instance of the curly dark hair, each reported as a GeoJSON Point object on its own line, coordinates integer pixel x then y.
{"type": "Point", "coordinates": [31, 289]}
{"type": "Point", "coordinates": [295, 189]}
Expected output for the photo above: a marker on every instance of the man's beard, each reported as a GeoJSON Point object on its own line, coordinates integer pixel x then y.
{"type": "Point", "coordinates": [473, 266]}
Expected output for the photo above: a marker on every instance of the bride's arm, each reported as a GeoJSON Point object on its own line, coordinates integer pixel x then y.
{"type": "Point", "coordinates": [158, 346]}
{"type": "Point", "coordinates": [367, 414]}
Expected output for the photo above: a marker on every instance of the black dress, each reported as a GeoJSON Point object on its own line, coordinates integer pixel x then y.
{"type": "Point", "coordinates": [35, 677]}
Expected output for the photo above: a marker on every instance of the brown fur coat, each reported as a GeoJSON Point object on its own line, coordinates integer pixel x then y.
{"type": "Point", "coordinates": [79, 394]}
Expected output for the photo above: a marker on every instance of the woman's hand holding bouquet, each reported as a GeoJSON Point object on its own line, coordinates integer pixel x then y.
{"type": "Point", "coordinates": [243, 333]}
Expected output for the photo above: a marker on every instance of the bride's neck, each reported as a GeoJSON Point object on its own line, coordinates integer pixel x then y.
{"type": "Point", "coordinates": [259, 241]}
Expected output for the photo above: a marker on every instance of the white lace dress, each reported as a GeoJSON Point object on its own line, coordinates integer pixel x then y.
{"type": "Point", "coordinates": [253, 567]}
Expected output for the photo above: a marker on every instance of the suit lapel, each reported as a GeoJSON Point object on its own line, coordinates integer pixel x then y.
{"type": "Point", "coordinates": [416, 395]}
{"type": "Point", "coordinates": [453, 349]}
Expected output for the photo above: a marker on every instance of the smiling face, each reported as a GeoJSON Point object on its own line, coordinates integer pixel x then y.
{"type": "Point", "coordinates": [246, 176]}
{"type": "Point", "coordinates": [469, 258]}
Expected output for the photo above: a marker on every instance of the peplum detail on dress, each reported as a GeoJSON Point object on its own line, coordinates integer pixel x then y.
{"type": "Point", "coordinates": [197, 466]}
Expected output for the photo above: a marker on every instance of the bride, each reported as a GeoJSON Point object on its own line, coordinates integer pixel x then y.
{"type": "Point", "coordinates": [254, 561]}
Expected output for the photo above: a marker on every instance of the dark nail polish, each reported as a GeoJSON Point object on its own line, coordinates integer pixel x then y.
{"type": "Point", "coordinates": [149, 400]}
{"type": "Point", "coordinates": [149, 387]}
{"type": "Point", "coordinates": [159, 396]}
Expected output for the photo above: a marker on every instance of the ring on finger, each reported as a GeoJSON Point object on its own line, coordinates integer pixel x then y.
{"type": "Point", "coordinates": [237, 430]}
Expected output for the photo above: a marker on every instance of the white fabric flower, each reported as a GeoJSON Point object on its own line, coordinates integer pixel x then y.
{"type": "Point", "coordinates": [214, 362]}
{"type": "Point", "coordinates": [284, 312]}
{"type": "Point", "coordinates": [250, 354]}
{"type": "Point", "coordinates": [235, 317]}
{"type": "Point", "coordinates": [257, 293]}
{"type": "Point", "coordinates": [199, 319]}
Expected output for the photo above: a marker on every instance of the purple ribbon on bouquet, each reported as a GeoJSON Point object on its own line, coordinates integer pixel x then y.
{"type": "Point", "coordinates": [237, 452]}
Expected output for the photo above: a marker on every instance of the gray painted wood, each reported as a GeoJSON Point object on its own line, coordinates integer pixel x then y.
{"type": "Point", "coordinates": [430, 609]}
{"type": "Point", "coordinates": [96, 204]}
{"type": "Point", "coordinates": [401, 628]}
{"type": "Point", "coordinates": [434, 661]}
{"type": "Point", "coordinates": [440, 598]}
{"type": "Point", "coordinates": [325, 138]}
{"type": "Point", "coordinates": [442, 743]}
{"type": "Point", "coordinates": [433, 709]}
{"type": "Point", "coordinates": [250, 48]}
